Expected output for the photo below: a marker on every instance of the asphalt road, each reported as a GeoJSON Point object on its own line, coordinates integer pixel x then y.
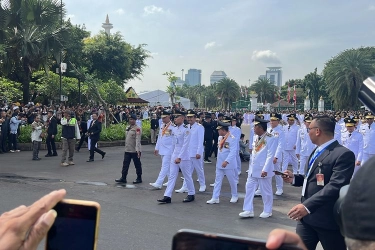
{"type": "Point", "coordinates": [131, 218]}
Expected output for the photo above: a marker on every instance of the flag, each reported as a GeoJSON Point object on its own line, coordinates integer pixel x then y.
{"type": "Point", "coordinates": [241, 91]}
{"type": "Point", "coordinates": [288, 93]}
{"type": "Point", "coordinates": [295, 96]}
{"type": "Point", "coordinates": [246, 92]}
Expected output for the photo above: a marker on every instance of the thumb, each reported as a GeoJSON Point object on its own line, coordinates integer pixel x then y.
{"type": "Point", "coordinates": [39, 230]}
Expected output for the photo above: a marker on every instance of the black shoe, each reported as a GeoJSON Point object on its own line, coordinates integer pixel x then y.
{"type": "Point", "coordinates": [138, 180]}
{"type": "Point", "coordinates": [166, 199]}
{"type": "Point", "coordinates": [36, 159]}
{"type": "Point", "coordinates": [54, 154]}
{"type": "Point", "coordinates": [189, 198]}
{"type": "Point", "coordinates": [48, 155]}
{"type": "Point", "coordinates": [121, 180]}
{"type": "Point", "coordinates": [90, 160]}
{"type": "Point", "coordinates": [103, 155]}
{"type": "Point", "coordinates": [77, 149]}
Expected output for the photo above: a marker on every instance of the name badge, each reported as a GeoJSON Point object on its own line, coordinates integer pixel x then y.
{"type": "Point", "coordinates": [320, 178]}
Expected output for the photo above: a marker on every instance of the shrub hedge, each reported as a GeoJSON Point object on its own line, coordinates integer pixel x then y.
{"type": "Point", "coordinates": [114, 132]}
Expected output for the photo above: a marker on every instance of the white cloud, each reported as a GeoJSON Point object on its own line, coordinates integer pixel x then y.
{"type": "Point", "coordinates": [152, 9]}
{"type": "Point", "coordinates": [210, 45]}
{"type": "Point", "coordinates": [154, 53]}
{"type": "Point", "coordinates": [371, 7]}
{"type": "Point", "coordinates": [265, 56]}
{"type": "Point", "coordinates": [120, 11]}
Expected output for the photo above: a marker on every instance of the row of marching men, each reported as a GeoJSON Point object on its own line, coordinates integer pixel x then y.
{"type": "Point", "coordinates": [274, 147]}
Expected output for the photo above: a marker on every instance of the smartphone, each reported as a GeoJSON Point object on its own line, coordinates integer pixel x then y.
{"type": "Point", "coordinates": [280, 173]}
{"type": "Point", "coordinates": [186, 239]}
{"type": "Point", "coordinates": [76, 226]}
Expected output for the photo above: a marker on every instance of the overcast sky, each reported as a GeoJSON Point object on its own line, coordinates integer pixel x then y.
{"type": "Point", "coordinates": [241, 37]}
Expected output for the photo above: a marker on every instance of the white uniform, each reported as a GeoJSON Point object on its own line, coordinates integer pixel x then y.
{"type": "Point", "coordinates": [278, 134]}
{"type": "Point", "coordinates": [338, 130]}
{"type": "Point", "coordinates": [290, 145]}
{"type": "Point", "coordinates": [368, 142]}
{"type": "Point", "coordinates": [262, 156]}
{"type": "Point", "coordinates": [181, 136]}
{"type": "Point", "coordinates": [164, 145]}
{"type": "Point", "coordinates": [236, 132]}
{"type": "Point", "coordinates": [304, 148]}
{"type": "Point", "coordinates": [196, 147]}
{"type": "Point", "coordinates": [354, 142]}
{"type": "Point", "coordinates": [226, 153]}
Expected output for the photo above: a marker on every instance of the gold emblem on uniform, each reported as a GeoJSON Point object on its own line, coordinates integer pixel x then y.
{"type": "Point", "coordinates": [226, 145]}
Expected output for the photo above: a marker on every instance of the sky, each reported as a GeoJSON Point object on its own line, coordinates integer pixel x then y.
{"type": "Point", "coordinates": [241, 37]}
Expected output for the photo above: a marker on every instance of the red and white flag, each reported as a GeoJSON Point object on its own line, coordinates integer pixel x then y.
{"type": "Point", "coordinates": [295, 96]}
{"type": "Point", "coordinates": [288, 98]}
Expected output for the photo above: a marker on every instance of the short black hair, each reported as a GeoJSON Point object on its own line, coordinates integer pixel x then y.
{"type": "Point", "coordinates": [262, 125]}
{"type": "Point", "coordinates": [225, 128]}
{"type": "Point", "coordinates": [326, 124]}
{"type": "Point", "coordinates": [242, 135]}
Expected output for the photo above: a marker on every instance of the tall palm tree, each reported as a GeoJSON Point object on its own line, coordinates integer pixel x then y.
{"type": "Point", "coordinates": [228, 90]}
{"type": "Point", "coordinates": [31, 33]}
{"type": "Point", "coordinates": [265, 89]}
{"type": "Point", "coordinates": [344, 75]}
{"type": "Point", "coordinates": [315, 83]}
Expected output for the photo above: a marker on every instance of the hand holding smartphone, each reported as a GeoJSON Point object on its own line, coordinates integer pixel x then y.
{"type": "Point", "coordinates": [76, 226]}
{"type": "Point", "coordinates": [280, 173]}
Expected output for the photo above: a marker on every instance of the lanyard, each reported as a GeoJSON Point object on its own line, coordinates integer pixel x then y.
{"type": "Point", "coordinates": [311, 162]}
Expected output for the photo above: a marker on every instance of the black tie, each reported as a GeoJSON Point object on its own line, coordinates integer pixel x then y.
{"type": "Point", "coordinates": [271, 130]}
{"type": "Point", "coordinates": [350, 135]}
{"type": "Point", "coordinates": [288, 127]}
{"type": "Point", "coordinates": [369, 126]}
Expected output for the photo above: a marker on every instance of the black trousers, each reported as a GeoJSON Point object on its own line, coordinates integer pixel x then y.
{"type": "Point", "coordinates": [137, 163]}
{"type": "Point", "coordinates": [13, 141]}
{"type": "Point", "coordinates": [330, 239]}
{"type": "Point", "coordinates": [51, 146]}
{"type": "Point", "coordinates": [94, 149]}
{"type": "Point", "coordinates": [2, 148]}
{"type": "Point", "coordinates": [83, 138]}
{"type": "Point", "coordinates": [214, 147]}
{"type": "Point", "coordinates": [207, 148]}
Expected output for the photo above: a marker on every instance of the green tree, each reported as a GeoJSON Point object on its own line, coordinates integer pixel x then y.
{"type": "Point", "coordinates": [109, 57]}
{"type": "Point", "coordinates": [316, 86]}
{"type": "Point", "coordinates": [344, 75]}
{"type": "Point", "coordinates": [265, 89]}
{"type": "Point", "coordinates": [10, 90]}
{"type": "Point", "coordinates": [172, 88]}
{"type": "Point", "coordinates": [228, 91]}
{"type": "Point", "coordinates": [31, 33]}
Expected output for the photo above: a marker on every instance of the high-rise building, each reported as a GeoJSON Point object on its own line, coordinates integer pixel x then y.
{"type": "Point", "coordinates": [217, 76]}
{"type": "Point", "coordinates": [178, 82]}
{"type": "Point", "coordinates": [274, 74]}
{"type": "Point", "coordinates": [193, 77]}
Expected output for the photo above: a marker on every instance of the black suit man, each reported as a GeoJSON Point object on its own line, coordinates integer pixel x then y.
{"type": "Point", "coordinates": [94, 130]}
{"type": "Point", "coordinates": [4, 131]}
{"type": "Point", "coordinates": [51, 133]}
{"type": "Point", "coordinates": [329, 168]}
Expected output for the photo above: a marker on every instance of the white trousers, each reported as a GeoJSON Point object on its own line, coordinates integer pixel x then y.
{"type": "Point", "coordinates": [302, 163]}
{"type": "Point", "coordinates": [289, 156]}
{"type": "Point", "coordinates": [197, 164]}
{"type": "Point", "coordinates": [365, 157]}
{"type": "Point", "coordinates": [186, 170]}
{"type": "Point", "coordinates": [231, 174]}
{"type": "Point", "coordinates": [164, 171]}
{"type": "Point", "coordinates": [265, 185]}
{"type": "Point", "coordinates": [279, 181]}
{"type": "Point", "coordinates": [238, 159]}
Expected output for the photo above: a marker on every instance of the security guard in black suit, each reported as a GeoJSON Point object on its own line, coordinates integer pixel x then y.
{"type": "Point", "coordinates": [94, 133]}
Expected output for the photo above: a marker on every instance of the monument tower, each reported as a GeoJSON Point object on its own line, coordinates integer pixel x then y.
{"type": "Point", "coordinates": [107, 26]}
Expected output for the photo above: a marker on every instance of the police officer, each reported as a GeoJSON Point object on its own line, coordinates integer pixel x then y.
{"type": "Point", "coordinates": [291, 131]}
{"type": "Point", "coordinates": [353, 140]}
{"type": "Point", "coordinates": [132, 150]}
{"type": "Point", "coordinates": [164, 148]}
{"type": "Point", "coordinates": [304, 146]}
{"type": "Point", "coordinates": [225, 164]}
{"type": "Point", "coordinates": [368, 137]}
{"type": "Point", "coordinates": [195, 151]}
{"type": "Point", "coordinates": [180, 159]}
{"type": "Point", "coordinates": [260, 170]}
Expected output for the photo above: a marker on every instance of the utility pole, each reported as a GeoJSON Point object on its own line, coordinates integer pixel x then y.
{"type": "Point", "coordinates": [60, 73]}
{"type": "Point", "coordinates": [182, 74]}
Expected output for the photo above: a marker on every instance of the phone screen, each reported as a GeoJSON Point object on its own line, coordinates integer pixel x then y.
{"type": "Point", "coordinates": [74, 228]}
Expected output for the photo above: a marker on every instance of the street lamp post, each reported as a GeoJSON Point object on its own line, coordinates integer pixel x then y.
{"type": "Point", "coordinates": [60, 73]}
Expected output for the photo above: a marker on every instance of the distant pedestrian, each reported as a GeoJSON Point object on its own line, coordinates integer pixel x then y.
{"type": "Point", "coordinates": [36, 136]}
{"type": "Point", "coordinates": [70, 132]}
{"type": "Point", "coordinates": [14, 123]}
{"type": "Point", "coordinates": [95, 127]}
{"type": "Point", "coordinates": [51, 133]}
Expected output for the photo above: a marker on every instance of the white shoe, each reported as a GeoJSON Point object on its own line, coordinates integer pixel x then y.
{"type": "Point", "coordinates": [265, 215]}
{"type": "Point", "coordinates": [212, 185]}
{"type": "Point", "coordinates": [182, 178]}
{"type": "Point", "coordinates": [181, 190]}
{"type": "Point", "coordinates": [239, 173]}
{"type": "Point", "coordinates": [233, 199]}
{"type": "Point", "coordinates": [202, 188]}
{"type": "Point", "coordinates": [258, 193]}
{"type": "Point", "coordinates": [279, 192]}
{"type": "Point", "coordinates": [247, 171]}
{"type": "Point", "coordinates": [213, 201]}
{"type": "Point", "coordinates": [197, 180]}
{"type": "Point", "coordinates": [155, 186]}
{"type": "Point", "coordinates": [165, 184]}
{"type": "Point", "coordinates": [246, 214]}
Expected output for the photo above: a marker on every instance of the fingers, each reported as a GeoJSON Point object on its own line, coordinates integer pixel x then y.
{"type": "Point", "coordinates": [18, 211]}
{"type": "Point", "coordinates": [42, 206]}
{"type": "Point", "coordinates": [277, 237]}
{"type": "Point", "coordinates": [40, 230]}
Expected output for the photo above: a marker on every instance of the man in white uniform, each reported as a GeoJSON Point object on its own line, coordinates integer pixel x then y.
{"type": "Point", "coordinates": [236, 132]}
{"type": "Point", "coordinates": [260, 170]}
{"type": "Point", "coordinates": [304, 146]}
{"type": "Point", "coordinates": [353, 140]}
{"type": "Point", "coordinates": [291, 131]}
{"type": "Point", "coordinates": [195, 151]}
{"type": "Point", "coordinates": [368, 137]}
{"type": "Point", "coordinates": [225, 164]}
{"type": "Point", "coordinates": [164, 148]}
{"type": "Point", "coordinates": [180, 159]}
